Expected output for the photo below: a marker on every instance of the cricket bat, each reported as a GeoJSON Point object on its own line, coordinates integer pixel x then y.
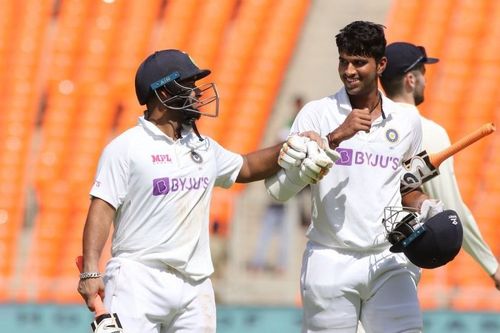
{"type": "Point", "coordinates": [423, 167]}
{"type": "Point", "coordinates": [104, 321]}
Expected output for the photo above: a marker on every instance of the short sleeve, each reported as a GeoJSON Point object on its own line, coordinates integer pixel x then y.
{"type": "Point", "coordinates": [306, 119]}
{"type": "Point", "coordinates": [111, 179]}
{"type": "Point", "coordinates": [228, 165]}
{"type": "Point", "coordinates": [415, 134]}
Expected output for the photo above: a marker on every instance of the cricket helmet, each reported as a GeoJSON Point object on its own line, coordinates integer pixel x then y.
{"type": "Point", "coordinates": [176, 73]}
{"type": "Point", "coordinates": [427, 244]}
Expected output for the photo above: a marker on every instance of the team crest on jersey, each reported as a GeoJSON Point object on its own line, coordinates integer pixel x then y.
{"type": "Point", "coordinates": [196, 157]}
{"type": "Point", "coordinates": [391, 135]}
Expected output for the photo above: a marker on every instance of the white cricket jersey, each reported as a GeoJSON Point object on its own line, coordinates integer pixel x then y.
{"type": "Point", "coordinates": [161, 189]}
{"type": "Point", "coordinates": [445, 188]}
{"type": "Point", "coordinates": [348, 203]}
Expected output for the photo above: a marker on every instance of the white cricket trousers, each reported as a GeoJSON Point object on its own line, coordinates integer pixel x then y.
{"type": "Point", "coordinates": [158, 299]}
{"type": "Point", "coordinates": [340, 288]}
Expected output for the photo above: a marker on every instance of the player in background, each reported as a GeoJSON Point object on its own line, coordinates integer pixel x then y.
{"type": "Point", "coordinates": [404, 82]}
{"type": "Point", "coordinates": [348, 273]}
{"type": "Point", "coordinates": [154, 184]}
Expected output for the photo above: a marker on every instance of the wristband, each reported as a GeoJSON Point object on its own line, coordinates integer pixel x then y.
{"type": "Point", "coordinates": [89, 275]}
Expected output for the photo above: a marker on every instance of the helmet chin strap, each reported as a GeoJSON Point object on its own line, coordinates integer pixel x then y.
{"type": "Point", "coordinates": [195, 129]}
{"type": "Point", "coordinates": [189, 120]}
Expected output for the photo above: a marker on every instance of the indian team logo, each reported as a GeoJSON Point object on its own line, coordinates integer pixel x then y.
{"type": "Point", "coordinates": [392, 135]}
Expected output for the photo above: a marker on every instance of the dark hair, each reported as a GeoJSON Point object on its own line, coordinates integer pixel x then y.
{"type": "Point", "coordinates": [362, 38]}
{"type": "Point", "coordinates": [394, 85]}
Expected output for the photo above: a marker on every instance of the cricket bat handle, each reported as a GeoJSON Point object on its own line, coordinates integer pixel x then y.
{"type": "Point", "coordinates": [437, 158]}
{"type": "Point", "coordinates": [98, 305]}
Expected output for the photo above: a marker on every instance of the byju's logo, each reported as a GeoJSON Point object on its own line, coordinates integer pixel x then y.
{"type": "Point", "coordinates": [350, 157]}
{"type": "Point", "coordinates": [345, 156]}
{"type": "Point", "coordinates": [163, 186]}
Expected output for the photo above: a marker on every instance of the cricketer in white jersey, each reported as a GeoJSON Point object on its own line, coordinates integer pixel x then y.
{"type": "Point", "coordinates": [445, 187]}
{"type": "Point", "coordinates": [347, 269]}
{"type": "Point", "coordinates": [154, 184]}
{"type": "Point", "coordinates": [158, 277]}
{"type": "Point", "coordinates": [404, 81]}
{"type": "Point", "coordinates": [365, 179]}
{"type": "Point", "coordinates": [162, 190]}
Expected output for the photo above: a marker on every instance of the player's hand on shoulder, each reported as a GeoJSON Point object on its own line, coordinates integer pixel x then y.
{"type": "Point", "coordinates": [313, 136]}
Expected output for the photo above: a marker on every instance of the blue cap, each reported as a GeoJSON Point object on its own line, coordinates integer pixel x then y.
{"type": "Point", "coordinates": [403, 57]}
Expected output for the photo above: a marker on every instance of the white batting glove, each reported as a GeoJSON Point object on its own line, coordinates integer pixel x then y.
{"type": "Point", "coordinates": [316, 165]}
{"type": "Point", "coordinates": [429, 208]}
{"type": "Point", "coordinates": [293, 151]}
{"type": "Point", "coordinates": [296, 173]}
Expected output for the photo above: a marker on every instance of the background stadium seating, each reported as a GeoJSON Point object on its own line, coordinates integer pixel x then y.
{"type": "Point", "coordinates": [67, 69]}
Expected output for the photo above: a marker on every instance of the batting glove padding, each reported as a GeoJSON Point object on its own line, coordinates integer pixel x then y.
{"type": "Point", "coordinates": [316, 165]}
{"type": "Point", "coordinates": [292, 153]}
{"type": "Point", "coordinates": [429, 208]}
{"type": "Point", "coordinates": [292, 179]}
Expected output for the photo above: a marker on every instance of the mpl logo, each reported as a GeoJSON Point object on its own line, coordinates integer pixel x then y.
{"type": "Point", "coordinates": [161, 158]}
{"type": "Point", "coordinates": [350, 157]}
{"type": "Point", "coordinates": [163, 186]}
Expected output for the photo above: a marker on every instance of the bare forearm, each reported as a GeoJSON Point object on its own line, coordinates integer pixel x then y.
{"type": "Point", "coordinates": [414, 199]}
{"type": "Point", "coordinates": [96, 232]}
{"type": "Point", "coordinates": [260, 164]}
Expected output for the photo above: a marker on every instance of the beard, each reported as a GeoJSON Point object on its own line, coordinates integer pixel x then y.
{"type": "Point", "coordinates": [419, 99]}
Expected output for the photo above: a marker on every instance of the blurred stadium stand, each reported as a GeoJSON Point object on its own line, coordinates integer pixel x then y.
{"type": "Point", "coordinates": [67, 69]}
{"type": "Point", "coordinates": [69, 66]}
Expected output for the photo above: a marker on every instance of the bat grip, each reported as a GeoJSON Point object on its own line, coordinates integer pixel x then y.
{"type": "Point", "coordinates": [98, 305]}
{"type": "Point", "coordinates": [438, 158]}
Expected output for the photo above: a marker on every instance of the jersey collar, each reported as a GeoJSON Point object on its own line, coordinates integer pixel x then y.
{"type": "Point", "coordinates": [153, 130]}
{"type": "Point", "coordinates": [345, 103]}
